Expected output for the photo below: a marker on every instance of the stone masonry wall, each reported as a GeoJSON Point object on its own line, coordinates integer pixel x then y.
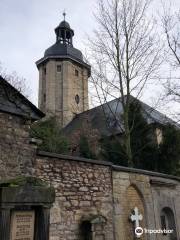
{"type": "Point", "coordinates": [121, 182]}
{"type": "Point", "coordinates": [155, 192]}
{"type": "Point", "coordinates": [57, 90]}
{"type": "Point", "coordinates": [82, 190]}
{"type": "Point", "coordinates": [166, 195]}
{"type": "Point", "coordinates": [16, 154]}
{"type": "Point", "coordinates": [88, 188]}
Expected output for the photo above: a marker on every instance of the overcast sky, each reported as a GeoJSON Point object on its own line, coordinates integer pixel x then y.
{"type": "Point", "coordinates": [27, 29]}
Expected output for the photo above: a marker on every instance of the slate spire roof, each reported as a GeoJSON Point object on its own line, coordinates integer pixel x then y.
{"type": "Point", "coordinates": [63, 47]}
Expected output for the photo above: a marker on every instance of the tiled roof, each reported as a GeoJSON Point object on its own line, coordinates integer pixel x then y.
{"type": "Point", "coordinates": [12, 101]}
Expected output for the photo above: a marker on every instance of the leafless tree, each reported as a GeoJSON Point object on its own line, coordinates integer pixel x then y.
{"type": "Point", "coordinates": [171, 28]}
{"type": "Point", "coordinates": [125, 55]}
{"type": "Point", "coordinates": [18, 82]}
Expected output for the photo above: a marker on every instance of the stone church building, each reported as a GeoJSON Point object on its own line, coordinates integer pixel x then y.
{"type": "Point", "coordinates": [63, 78]}
{"type": "Point", "coordinates": [94, 200]}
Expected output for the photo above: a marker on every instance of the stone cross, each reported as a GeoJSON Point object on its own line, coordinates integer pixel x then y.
{"type": "Point", "coordinates": [136, 217]}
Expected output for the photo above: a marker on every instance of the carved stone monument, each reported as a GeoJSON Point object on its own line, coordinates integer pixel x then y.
{"type": "Point", "coordinates": [22, 225]}
{"type": "Point", "coordinates": [24, 209]}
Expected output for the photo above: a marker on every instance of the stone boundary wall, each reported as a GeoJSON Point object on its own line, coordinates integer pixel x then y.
{"type": "Point", "coordinates": [106, 163]}
{"type": "Point", "coordinates": [83, 191]}
{"type": "Point", "coordinates": [86, 188]}
{"type": "Point", "coordinates": [16, 152]}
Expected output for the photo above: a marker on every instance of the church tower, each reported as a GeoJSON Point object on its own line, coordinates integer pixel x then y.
{"type": "Point", "coordinates": [63, 78]}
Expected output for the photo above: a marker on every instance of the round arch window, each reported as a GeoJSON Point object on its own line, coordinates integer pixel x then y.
{"type": "Point", "coordinates": [77, 98]}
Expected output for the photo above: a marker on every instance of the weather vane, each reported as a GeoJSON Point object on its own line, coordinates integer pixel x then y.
{"type": "Point", "coordinates": [64, 14]}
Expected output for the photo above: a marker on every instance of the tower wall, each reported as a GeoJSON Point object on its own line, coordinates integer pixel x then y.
{"type": "Point", "coordinates": [59, 82]}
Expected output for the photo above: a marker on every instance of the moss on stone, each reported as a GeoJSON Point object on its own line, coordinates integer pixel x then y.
{"type": "Point", "coordinates": [23, 181]}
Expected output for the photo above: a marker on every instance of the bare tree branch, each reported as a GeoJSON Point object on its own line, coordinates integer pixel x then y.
{"type": "Point", "coordinates": [125, 54]}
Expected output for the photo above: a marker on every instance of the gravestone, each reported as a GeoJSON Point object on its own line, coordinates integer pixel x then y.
{"type": "Point", "coordinates": [22, 225]}
{"type": "Point", "coordinates": [25, 205]}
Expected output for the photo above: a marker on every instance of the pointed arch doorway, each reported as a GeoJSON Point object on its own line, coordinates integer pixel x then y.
{"type": "Point", "coordinates": [168, 223]}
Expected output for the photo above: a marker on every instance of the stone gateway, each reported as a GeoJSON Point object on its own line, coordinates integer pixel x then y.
{"type": "Point", "coordinates": [22, 225]}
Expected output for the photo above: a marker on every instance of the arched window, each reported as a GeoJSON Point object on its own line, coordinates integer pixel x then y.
{"type": "Point", "coordinates": [77, 98]}
{"type": "Point", "coordinates": [76, 73]}
{"type": "Point", "coordinates": [168, 222]}
{"type": "Point", "coordinates": [86, 230]}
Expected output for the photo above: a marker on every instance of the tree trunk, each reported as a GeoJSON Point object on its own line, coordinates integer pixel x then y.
{"type": "Point", "coordinates": [128, 139]}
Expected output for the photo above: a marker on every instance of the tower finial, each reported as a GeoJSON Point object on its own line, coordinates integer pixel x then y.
{"type": "Point", "coordinates": [64, 14]}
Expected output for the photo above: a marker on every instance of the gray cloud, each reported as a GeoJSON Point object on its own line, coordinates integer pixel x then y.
{"type": "Point", "coordinates": [27, 29]}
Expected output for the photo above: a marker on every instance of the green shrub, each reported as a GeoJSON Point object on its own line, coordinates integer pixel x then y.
{"type": "Point", "coordinates": [112, 150]}
{"type": "Point", "coordinates": [84, 148]}
{"type": "Point", "coordinates": [169, 151]}
{"type": "Point", "coordinates": [50, 134]}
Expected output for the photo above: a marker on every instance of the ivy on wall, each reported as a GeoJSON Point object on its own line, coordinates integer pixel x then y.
{"type": "Point", "coordinates": [147, 153]}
